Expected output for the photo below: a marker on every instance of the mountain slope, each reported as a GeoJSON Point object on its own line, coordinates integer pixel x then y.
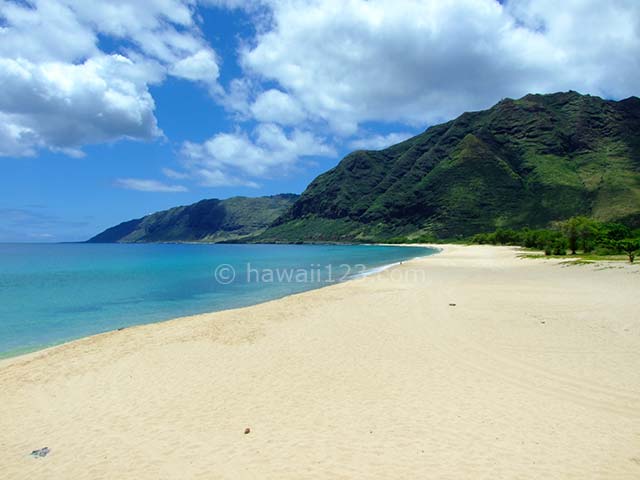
{"type": "Point", "coordinates": [208, 220]}
{"type": "Point", "coordinates": [523, 162]}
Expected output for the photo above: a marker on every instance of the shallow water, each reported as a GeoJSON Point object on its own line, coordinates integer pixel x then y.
{"type": "Point", "coordinates": [51, 293]}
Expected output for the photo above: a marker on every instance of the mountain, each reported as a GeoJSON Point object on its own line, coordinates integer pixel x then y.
{"type": "Point", "coordinates": [525, 162]}
{"type": "Point", "coordinates": [206, 221]}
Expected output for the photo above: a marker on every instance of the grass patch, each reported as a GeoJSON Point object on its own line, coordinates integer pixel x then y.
{"type": "Point", "coordinates": [578, 259]}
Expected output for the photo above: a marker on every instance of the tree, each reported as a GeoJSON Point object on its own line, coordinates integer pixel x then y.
{"type": "Point", "coordinates": [579, 232]}
{"type": "Point", "coordinates": [613, 232]}
{"type": "Point", "coordinates": [570, 229]}
{"type": "Point", "coordinates": [630, 246]}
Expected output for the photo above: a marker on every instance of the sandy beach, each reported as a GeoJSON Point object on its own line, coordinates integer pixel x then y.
{"type": "Point", "coordinates": [470, 364]}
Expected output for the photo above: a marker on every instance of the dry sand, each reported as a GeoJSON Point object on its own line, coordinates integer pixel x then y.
{"type": "Point", "coordinates": [534, 373]}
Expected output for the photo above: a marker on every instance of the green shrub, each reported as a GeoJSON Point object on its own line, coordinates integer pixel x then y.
{"type": "Point", "coordinates": [559, 246]}
{"type": "Point", "coordinates": [630, 246]}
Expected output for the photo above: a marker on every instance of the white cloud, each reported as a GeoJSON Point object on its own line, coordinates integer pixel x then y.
{"type": "Point", "coordinates": [231, 3]}
{"type": "Point", "coordinates": [173, 174]}
{"type": "Point", "coordinates": [594, 44]}
{"type": "Point", "coordinates": [145, 185]}
{"type": "Point", "coordinates": [63, 105]}
{"type": "Point", "coordinates": [44, 31]}
{"type": "Point", "coordinates": [61, 91]}
{"type": "Point", "coordinates": [237, 97]}
{"type": "Point", "coordinates": [229, 158]}
{"type": "Point", "coordinates": [200, 66]}
{"type": "Point", "coordinates": [314, 66]}
{"type": "Point", "coordinates": [15, 140]}
{"type": "Point", "coordinates": [344, 63]}
{"type": "Point", "coordinates": [379, 142]}
{"type": "Point", "coordinates": [210, 177]}
{"type": "Point", "coordinates": [218, 178]}
{"type": "Point", "coordinates": [419, 62]}
{"type": "Point", "coordinates": [278, 107]}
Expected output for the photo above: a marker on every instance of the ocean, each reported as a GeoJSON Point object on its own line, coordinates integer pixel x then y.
{"type": "Point", "coordinates": [52, 293]}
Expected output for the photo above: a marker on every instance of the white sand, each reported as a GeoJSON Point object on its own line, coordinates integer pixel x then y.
{"type": "Point", "coordinates": [534, 374]}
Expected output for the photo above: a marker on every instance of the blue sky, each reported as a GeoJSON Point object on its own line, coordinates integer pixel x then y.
{"type": "Point", "coordinates": [112, 110]}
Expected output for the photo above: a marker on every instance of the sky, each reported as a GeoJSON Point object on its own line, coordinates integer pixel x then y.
{"type": "Point", "coordinates": [110, 110]}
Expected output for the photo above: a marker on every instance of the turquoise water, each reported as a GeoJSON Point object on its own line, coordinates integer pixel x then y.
{"type": "Point", "coordinates": [51, 293]}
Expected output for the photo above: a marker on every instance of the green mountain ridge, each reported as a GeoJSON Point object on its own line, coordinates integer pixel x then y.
{"type": "Point", "coordinates": [522, 163]}
{"type": "Point", "coordinates": [526, 162]}
{"type": "Point", "coordinates": [210, 220]}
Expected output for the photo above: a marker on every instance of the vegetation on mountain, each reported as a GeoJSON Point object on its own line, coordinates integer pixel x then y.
{"type": "Point", "coordinates": [206, 221]}
{"type": "Point", "coordinates": [523, 163]}
{"type": "Point", "coordinates": [557, 172]}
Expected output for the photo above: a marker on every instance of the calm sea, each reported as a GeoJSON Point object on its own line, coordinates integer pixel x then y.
{"type": "Point", "coordinates": [52, 293]}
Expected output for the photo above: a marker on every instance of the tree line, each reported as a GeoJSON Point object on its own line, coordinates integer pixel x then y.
{"type": "Point", "coordinates": [577, 234]}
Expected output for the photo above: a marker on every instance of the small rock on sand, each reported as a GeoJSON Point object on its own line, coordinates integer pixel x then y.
{"type": "Point", "coordinates": [42, 452]}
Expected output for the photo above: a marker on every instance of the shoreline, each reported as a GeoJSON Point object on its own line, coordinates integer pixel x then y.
{"type": "Point", "coordinates": [375, 270]}
{"type": "Point", "coordinates": [486, 364]}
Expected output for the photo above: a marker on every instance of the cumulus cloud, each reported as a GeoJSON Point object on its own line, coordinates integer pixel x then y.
{"type": "Point", "coordinates": [341, 64]}
{"type": "Point", "coordinates": [313, 69]}
{"type": "Point", "coordinates": [276, 106]}
{"type": "Point", "coordinates": [146, 185]}
{"type": "Point", "coordinates": [14, 140]}
{"type": "Point", "coordinates": [227, 158]}
{"type": "Point", "coordinates": [200, 66]}
{"type": "Point", "coordinates": [379, 142]}
{"type": "Point", "coordinates": [239, 4]}
{"type": "Point", "coordinates": [424, 61]}
{"type": "Point", "coordinates": [44, 30]}
{"type": "Point", "coordinates": [209, 177]}
{"type": "Point", "coordinates": [206, 176]}
{"type": "Point", "coordinates": [63, 105]}
{"type": "Point", "coordinates": [61, 90]}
